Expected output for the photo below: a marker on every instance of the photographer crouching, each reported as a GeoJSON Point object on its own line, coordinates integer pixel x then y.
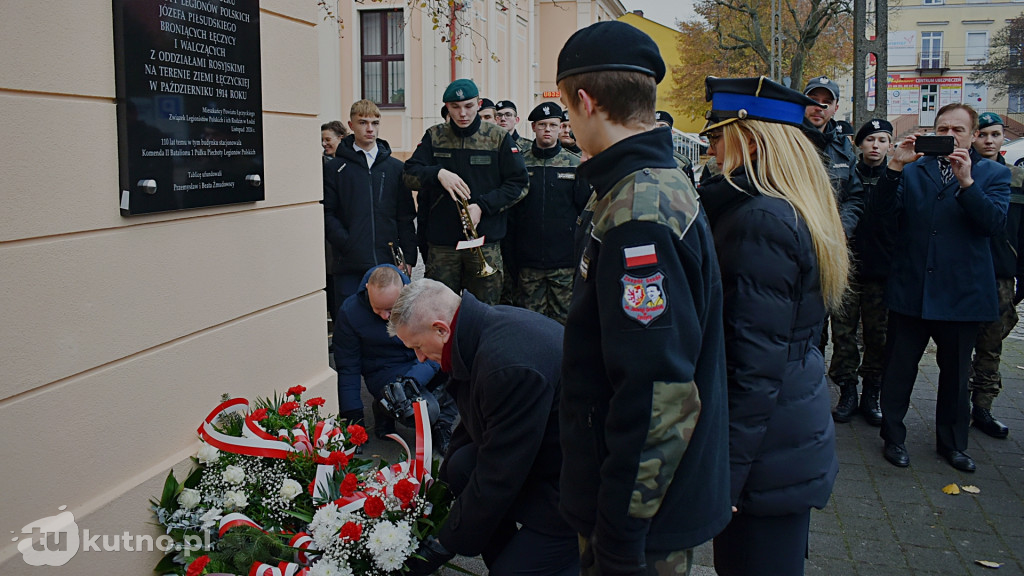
{"type": "Point", "coordinates": [393, 375]}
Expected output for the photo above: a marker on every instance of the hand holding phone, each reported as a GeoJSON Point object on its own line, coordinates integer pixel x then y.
{"type": "Point", "coordinates": [934, 145]}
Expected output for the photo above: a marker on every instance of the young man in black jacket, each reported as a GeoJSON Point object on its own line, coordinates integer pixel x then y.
{"type": "Point", "coordinates": [504, 458]}
{"type": "Point", "coordinates": [366, 205]}
{"type": "Point", "coordinates": [644, 415]}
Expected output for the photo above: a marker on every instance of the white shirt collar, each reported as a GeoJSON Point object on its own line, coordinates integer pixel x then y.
{"type": "Point", "coordinates": [371, 154]}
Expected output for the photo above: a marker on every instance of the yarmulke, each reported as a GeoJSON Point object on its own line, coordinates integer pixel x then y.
{"type": "Point", "coordinates": [610, 46]}
{"type": "Point", "coordinates": [989, 119]}
{"type": "Point", "coordinates": [870, 127]}
{"type": "Point", "coordinates": [545, 110]}
{"type": "Point", "coordinates": [486, 103]}
{"type": "Point", "coordinates": [753, 99]}
{"type": "Point", "coordinates": [823, 82]}
{"type": "Point", "coordinates": [502, 104]}
{"type": "Point", "coordinates": [662, 116]}
{"type": "Point", "coordinates": [459, 90]}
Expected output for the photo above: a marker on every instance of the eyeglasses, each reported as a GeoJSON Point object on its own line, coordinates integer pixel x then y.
{"type": "Point", "coordinates": [713, 138]}
{"type": "Point", "coordinates": [508, 115]}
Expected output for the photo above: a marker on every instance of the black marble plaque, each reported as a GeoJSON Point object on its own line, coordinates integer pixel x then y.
{"type": "Point", "coordinates": [189, 103]}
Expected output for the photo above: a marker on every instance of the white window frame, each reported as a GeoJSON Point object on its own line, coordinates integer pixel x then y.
{"type": "Point", "coordinates": [967, 47]}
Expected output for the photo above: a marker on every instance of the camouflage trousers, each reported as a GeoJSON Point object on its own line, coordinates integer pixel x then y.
{"type": "Point", "coordinates": [546, 291]}
{"type": "Point", "coordinates": [458, 269]}
{"type": "Point", "coordinates": [865, 306]}
{"type": "Point", "coordinates": [674, 563]}
{"type": "Point", "coordinates": [985, 382]}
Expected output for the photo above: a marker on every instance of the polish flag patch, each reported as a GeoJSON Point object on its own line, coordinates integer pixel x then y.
{"type": "Point", "coordinates": [637, 256]}
{"type": "Point", "coordinates": [515, 150]}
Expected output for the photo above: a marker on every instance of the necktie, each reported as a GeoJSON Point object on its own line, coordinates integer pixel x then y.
{"type": "Point", "coordinates": [946, 170]}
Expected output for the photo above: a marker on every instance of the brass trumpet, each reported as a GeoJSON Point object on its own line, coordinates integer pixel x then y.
{"type": "Point", "coordinates": [397, 255]}
{"type": "Point", "coordinates": [470, 231]}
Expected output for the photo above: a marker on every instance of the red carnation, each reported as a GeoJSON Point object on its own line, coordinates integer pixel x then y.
{"type": "Point", "coordinates": [197, 566]}
{"type": "Point", "coordinates": [349, 485]}
{"type": "Point", "coordinates": [338, 459]}
{"type": "Point", "coordinates": [259, 414]}
{"type": "Point", "coordinates": [357, 434]}
{"type": "Point", "coordinates": [351, 531]}
{"type": "Point", "coordinates": [312, 487]}
{"type": "Point", "coordinates": [373, 507]}
{"type": "Point", "coordinates": [405, 491]}
{"type": "Point", "coordinates": [315, 402]}
{"type": "Point", "coordinates": [296, 391]}
{"type": "Point", "coordinates": [287, 408]}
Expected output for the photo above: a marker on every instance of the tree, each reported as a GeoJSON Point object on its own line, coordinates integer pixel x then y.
{"type": "Point", "coordinates": [1004, 70]}
{"type": "Point", "coordinates": [733, 38]}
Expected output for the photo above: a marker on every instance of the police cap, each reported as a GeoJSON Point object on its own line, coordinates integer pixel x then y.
{"type": "Point", "coordinates": [610, 46]}
{"type": "Point", "coordinates": [545, 110]}
{"type": "Point", "coordinates": [754, 99]}
{"type": "Point", "coordinates": [459, 90]}
{"type": "Point", "coordinates": [870, 127]}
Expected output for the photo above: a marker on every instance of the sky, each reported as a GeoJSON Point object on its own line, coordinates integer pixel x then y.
{"type": "Point", "coordinates": [664, 12]}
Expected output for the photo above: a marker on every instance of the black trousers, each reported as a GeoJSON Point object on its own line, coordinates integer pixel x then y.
{"type": "Point", "coordinates": [905, 344]}
{"type": "Point", "coordinates": [763, 545]}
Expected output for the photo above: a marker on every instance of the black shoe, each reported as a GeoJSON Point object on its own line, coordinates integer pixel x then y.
{"type": "Point", "coordinates": [957, 459]}
{"type": "Point", "coordinates": [847, 405]}
{"type": "Point", "coordinates": [383, 423]}
{"type": "Point", "coordinates": [869, 404]}
{"type": "Point", "coordinates": [896, 454]}
{"type": "Point", "coordinates": [983, 420]}
{"type": "Point", "coordinates": [442, 436]}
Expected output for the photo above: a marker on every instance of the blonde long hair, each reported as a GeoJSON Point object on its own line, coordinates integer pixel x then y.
{"type": "Point", "coordinates": [788, 166]}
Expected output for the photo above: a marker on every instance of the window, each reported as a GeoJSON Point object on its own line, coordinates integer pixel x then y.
{"type": "Point", "coordinates": [383, 57]}
{"type": "Point", "coordinates": [977, 48]}
{"type": "Point", "coordinates": [1016, 101]}
{"type": "Point", "coordinates": [931, 50]}
{"type": "Point", "coordinates": [928, 2]}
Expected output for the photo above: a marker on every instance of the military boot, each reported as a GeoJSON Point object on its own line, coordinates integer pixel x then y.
{"type": "Point", "coordinates": [983, 420]}
{"type": "Point", "coordinates": [869, 403]}
{"type": "Point", "coordinates": [847, 405]}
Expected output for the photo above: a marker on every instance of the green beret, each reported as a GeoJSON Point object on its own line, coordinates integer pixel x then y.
{"type": "Point", "coordinates": [989, 119]}
{"type": "Point", "coordinates": [459, 90]}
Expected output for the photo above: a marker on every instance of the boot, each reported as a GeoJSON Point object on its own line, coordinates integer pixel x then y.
{"type": "Point", "coordinates": [442, 435]}
{"type": "Point", "coordinates": [983, 420]}
{"type": "Point", "coordinates": [869, 403]}
{"type": "Point", "coordinates": [383, 423]}
{"type": "Point", "coordinates": [847, 405]}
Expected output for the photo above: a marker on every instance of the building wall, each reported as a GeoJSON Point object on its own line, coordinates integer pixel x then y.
{"type": "Point", "coordinates": [120, 334]}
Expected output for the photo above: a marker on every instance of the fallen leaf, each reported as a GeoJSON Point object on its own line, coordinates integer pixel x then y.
{"type": "Point", "coordinates": [971, 489]}
{"type": "Point", "coordinates": [988, 563]}
{"type": "Point", "coordinates": [951, 489]}
{"type": "Point", "coordinates": [1021, 367]}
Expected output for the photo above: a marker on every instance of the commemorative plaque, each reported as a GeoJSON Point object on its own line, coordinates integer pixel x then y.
{"type": "Point", "coordinates": [189, 103]}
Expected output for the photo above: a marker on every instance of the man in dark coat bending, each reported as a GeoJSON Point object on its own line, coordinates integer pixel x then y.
{"type": "Point", "coordinates": [504, 458]}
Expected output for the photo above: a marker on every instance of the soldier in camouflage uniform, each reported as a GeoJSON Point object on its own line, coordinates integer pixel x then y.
{"type": "Point", "coordinates": [476, 161]}
{"type": "Point", "coordinates": [643, 411]}
{"type": "Point", "coordinates": [985, 382]}
{"type": "Point", "coordinates": [544, 223]}
{"type": "Point", "coordinates": [872, 246]}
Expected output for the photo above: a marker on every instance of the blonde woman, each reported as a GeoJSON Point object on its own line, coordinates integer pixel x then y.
{"type": "Point", "coordinates": [783, 259]}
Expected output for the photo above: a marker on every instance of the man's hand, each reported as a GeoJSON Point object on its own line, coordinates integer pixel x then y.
{"type": "Point", "coordinates": [475, 213]}
{"type": "Point", "coordinates": [960, 161]}
{"type": "Point", "coordinates": [904, 154]}
{"type": "Point", "coordinates": [433, 556]}
{"type": "Point", "coordinates": [454, 184]}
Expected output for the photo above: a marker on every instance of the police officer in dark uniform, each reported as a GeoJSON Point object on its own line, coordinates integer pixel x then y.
{"type": "Point", "coordinates": [643, 410]}
{"type": "Point", "coordinates": [478, 162]}
{"type": "Point", "coordinates": [544, 223]}
{"type": "Point", "coordinates": [663, 119]}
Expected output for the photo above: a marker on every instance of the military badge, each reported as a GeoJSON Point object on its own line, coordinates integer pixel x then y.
{"type": "Point", "coordinates": [643, 299]}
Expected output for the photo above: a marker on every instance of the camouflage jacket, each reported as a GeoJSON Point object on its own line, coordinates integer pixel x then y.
{"type": "Point", "coordinates": [643, 411]}
{"type": "Point", "coordinates": [486, 158]}
{"type": "Point", "coordinates": [544, 223]}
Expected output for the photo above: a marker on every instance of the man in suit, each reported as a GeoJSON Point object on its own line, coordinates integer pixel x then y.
{"type": "Point", "coordinates": [942, 282]}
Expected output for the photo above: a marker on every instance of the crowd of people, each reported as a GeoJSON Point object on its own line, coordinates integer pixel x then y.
{"type": "Point", "coordinates": [635, 363]}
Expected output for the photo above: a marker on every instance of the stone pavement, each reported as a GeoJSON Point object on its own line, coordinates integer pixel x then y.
{"type": "Point", "coordinates": [884, 520]}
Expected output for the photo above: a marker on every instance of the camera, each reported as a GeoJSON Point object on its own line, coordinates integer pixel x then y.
{"type": "Point", "coordinates": [398, 398]}
{"type": "Point", "coordinates": [934, 145]}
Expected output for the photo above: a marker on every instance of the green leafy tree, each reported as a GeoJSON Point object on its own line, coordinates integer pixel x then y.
{"type": "Point", "coordinates": [1004, 70]}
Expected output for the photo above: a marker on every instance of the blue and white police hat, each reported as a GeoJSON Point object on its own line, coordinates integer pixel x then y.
{"type": "Point", "coordinates": [758, 98]}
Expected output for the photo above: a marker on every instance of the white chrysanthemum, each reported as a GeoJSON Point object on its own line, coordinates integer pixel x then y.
{"type": "Point", "coordinates": [390, 560]}
{"type": "Point", "coordinates": [233, 475]}
{"type": "Point", "coordinates": [388, 536]}
{"type": "Point", "coordinates": [235, 499]}
{"type": "Point", "coordinates": [327, 567]}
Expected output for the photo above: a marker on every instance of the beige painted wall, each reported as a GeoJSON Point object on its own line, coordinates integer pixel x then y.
{"type": "Point", "coordinates": [120, 334]}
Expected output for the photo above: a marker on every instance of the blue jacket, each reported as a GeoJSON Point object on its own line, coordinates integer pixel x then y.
{"type": "Point", "coordinates": [782, 449]}
{"type": "Point", "coordinates": [942, 266]}
{"type": "Point", "coordinates": [362, 347]}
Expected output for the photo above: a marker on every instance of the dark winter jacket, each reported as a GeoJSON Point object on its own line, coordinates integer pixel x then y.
{"type": "Point", "coordinates": [644, 354]}
{"type": "Point", "coordinates": [782, 449]}
{"type": "Point", "coordinates": [875, 238]}
{"type": "Point", "coordinates": [1008, 244]}
{"type": "Point", "coordinates": [365, 208]}
{"type": "Point", "coordinates": [362, 346]}
{"type": "Point", "coordinates": [544, 223]}
{"type": "Point", "coordinates": [840, 163]}
{"type": "Point", "coordinates": [942, 266]}
{"type": "Point", "coordinates": [486, 158]}
{"type": "Point", "coordinates": [505, 380]}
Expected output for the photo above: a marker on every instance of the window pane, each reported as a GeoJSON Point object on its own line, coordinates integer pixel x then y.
{"type": "Point", "coordinates": [977, 46]}
{"type": "Point", "coordinates": [371, 33]}
{"type": "Point", "coordinates": [372, 80]}
{"type": "Point", "coordinates": [396, 82]}
{"type": "Point", "coordinates": [396, 39]}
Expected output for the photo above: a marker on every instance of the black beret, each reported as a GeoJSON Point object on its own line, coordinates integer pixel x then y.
{"type": "Point", "coordinates": [662, 116]}
{"type": "Point", "coordinates": [485, 103]}
{"type": "Point", "coordinates": [843, 127]}
{"type": "Point", "coordinates": [444, 112]}
{"type": "Point", "coordinates": [753, 98]}
{"type": "Point", "coordinates": [502, 104]}
{"type": "Point", "coordinates": [565, 115]}
{"type": "Point", "coordinates": [870, 127]}
{"type": "Point", "coordinates": [608, 46]}
{"type": "Point", "coordinates": [545, 110]}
